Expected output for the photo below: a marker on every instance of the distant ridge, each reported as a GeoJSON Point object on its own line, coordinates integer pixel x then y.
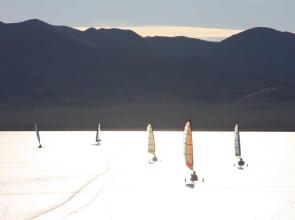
{"type": "Point", "coordinates": [34, 22]}
{"type": "Point", "coordinates": [249, 77]}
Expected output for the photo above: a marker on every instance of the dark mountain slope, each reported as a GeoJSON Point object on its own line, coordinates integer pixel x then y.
{"type": "Point", "coordinates": [43, 66]}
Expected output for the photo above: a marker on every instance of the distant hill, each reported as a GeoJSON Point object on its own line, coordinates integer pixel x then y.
{"type": "Point", "coordinates": [70, 79]}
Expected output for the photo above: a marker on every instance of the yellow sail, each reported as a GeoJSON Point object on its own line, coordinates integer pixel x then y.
{"type": "Point", "coordinates": [151, 140]}
{"type": "Point", "coordinates": [188, 145]}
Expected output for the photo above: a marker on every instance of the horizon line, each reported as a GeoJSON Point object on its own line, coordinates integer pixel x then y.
{"type": "Point", "coordinates": [214, 34]}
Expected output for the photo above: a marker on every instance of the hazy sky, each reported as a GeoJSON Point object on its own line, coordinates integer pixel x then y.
{"type": "Point", "coordinates": [233, 14]}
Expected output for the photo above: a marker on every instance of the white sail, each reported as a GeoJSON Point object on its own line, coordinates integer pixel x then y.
{"type": "Point", "coordinates": [151, 140]}
{"type": "Point", "coordinates": [98, 139]}
{"type": "Point", "coordinates": [37, 133]}
{"type": "Point", "coordinates": [188, 146]}
{"type": "Point", "coordinates": [237, 142]}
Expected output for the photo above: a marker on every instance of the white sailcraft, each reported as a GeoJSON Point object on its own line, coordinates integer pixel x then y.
{"type": "Point", "coordinates": [188, 150]}
{"type": "Point", "coordinates": [151, 142]}
{"type": "Point", "coordinates": [97, 138]}
{"type": "Point", "coordinates": [238, 154]}
{"type": "Point", "coordinates": [38, 135]}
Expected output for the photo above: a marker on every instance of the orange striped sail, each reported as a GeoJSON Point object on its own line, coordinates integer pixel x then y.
{"type": "Point", "coordinates": [188, 145]}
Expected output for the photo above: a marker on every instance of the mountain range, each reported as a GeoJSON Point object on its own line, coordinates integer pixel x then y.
{"type": "Point", "coordinates": [70, 79]}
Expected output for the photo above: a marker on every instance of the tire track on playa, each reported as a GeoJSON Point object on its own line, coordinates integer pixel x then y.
{"type": "Point", "coordinates": [20, 188]}
{"type": "Point", "coordinates": [71, 197]}
{"type": "Point", "coordinates": [288, 208]}
{"type": "Point", "coordinates": [89, 202]}
{"type": "Point", "coordinates": [98, 192]}
{"type": "Point", "coordinates": [107, 212]}
{"type": "Point", "coordinates": [6, 213]}
{"type": "Point", "coordinates": [77, 192]}
{"type": "Point", "coordinates": [9, 209]}
{"type": "Point", "coordinates": [13, 185]}
{"type": "Point", "coordinates": [30, 181]}
{"type": "Point", "coordinates": [250, 187]}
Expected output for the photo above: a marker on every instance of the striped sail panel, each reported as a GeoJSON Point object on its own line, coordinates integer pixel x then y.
{"type": "Point", "coordinates": [98, 133]}
{"type": "Point", "coordinates": [37, 132]}
{"type": "Point", "coordinates": [151, 140]}
{"type": "Point", "coordinates": [237, 141]}
{"type": "Point", "coordinates": [188, 146]}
